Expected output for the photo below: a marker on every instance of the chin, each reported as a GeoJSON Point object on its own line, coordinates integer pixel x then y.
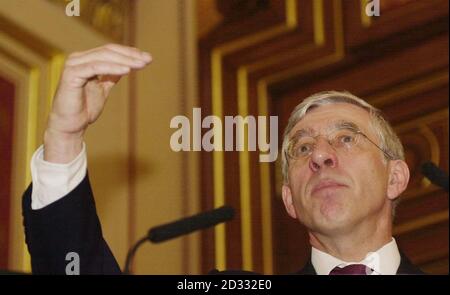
{"type": "Point", "coordinates": [333, 216]}
{"type": "Point", "coordinates": [332, 208]}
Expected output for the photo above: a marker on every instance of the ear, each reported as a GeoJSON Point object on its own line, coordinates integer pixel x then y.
{"type": "Point", "coordinates": [398, 178]}
{"type": "Point", "coordinates": [288, 202]}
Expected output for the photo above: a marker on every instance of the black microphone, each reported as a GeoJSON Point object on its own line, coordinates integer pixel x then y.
{"type": "Point", "coordinates": [181, 227]}
{"type": "Point", "coordinates": [435, 175]}
{"type": "Point", "coordinates": [189, 224]}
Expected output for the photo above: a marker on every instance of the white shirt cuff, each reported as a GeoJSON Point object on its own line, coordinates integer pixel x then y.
{"type": "Point", "coordinates": [53, 181]}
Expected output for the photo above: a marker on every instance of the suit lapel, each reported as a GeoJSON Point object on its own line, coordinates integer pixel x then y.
{"type": "Point", "coordinates": [308, 269]}
{"type": "Point", "coordinates": [407, 268]}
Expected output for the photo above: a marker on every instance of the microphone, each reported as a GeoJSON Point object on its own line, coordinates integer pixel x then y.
{"type": "Point", "coordinates": [181, 227]}
{"type": "Point", "coordinates": [435, 175]}
{"type": "Point", "coordinates": [189, 224]}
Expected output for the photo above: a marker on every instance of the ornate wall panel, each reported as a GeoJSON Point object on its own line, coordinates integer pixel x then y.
{"type": "Point", "coordinates": [6, 141]}
{"type": "Point", "coordinates": [32, 65]}
{"type": "Point", "coordinates": [266, 62]}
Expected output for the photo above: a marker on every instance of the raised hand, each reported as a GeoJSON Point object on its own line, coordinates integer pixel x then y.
{"type": "Point", "coordinates": [82, 92]}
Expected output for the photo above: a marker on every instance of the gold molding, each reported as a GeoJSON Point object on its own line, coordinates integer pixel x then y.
{"type": "Point", "coordinates": [242, 94]}
{"type": "Point", "coordinates": [410, 88]}
{"type": "Point", "coordinates": [430, 219]}
{"type": "Point", "coordinates": [291, 22]}
{"type": "Point", "coordinates": [366, 21]}
{"type": "Point", "coordinates": [52, 63]}
{"type": "Point", "coordinates": [244, 174]}
{"type": "Point", "coordinates": [32, 86]}
{"type": "Point", "coordinates": [262, 86]}
{"type": "Point", "coordinates": [422, 124]}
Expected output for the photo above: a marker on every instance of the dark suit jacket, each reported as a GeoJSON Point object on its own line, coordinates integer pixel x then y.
{"type": "Point", "coordinates": [68, 225]}
{"type": "Point", "coordinates": [71, 224]}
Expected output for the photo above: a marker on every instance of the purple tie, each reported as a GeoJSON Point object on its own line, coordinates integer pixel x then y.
{"type": "Point", "coordinates": [352, 269]}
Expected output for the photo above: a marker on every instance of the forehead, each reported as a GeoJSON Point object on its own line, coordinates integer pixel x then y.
{"type": "Point", "coordinates": [323, 117]}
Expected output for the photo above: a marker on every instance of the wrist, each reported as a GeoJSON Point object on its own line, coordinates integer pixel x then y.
{"type": "Point", "coordinates": [61, 147]}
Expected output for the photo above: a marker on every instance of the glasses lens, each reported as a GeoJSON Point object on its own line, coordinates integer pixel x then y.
{"type": "Point", "coordinates": [344, 138]}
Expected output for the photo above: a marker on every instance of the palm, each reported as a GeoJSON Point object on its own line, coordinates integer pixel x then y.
{"type": "Point", "coordinates": [95, 94]}
{"type": "Point", "coordinates": [81, 105]}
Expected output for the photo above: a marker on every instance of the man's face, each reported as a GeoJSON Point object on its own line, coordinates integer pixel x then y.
{"type": "Point", "coordinates": [333, 189]}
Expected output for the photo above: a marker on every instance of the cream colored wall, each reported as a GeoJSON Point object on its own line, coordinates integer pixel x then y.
{"type": "Point", "coordinates": [166, 183]}
{"type": "Point", "coordinates": [166, 187]}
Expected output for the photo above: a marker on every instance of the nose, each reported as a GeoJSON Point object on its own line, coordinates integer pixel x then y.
{"type": "Point", "coordinates": [322, 156]}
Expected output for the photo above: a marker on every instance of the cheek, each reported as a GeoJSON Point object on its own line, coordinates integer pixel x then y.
{"type": "Point", "coordinates": [373, 178]}
{"type": "Point", "coordinates": [298, 179]}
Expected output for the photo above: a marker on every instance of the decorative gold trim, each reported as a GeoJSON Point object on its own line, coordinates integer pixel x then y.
{"type": "Point", "coordinates": [422, 123]}
{"type": "Point", "coordinates": [425, 120]}
{"type": "Point", "coordinates": [265, 177]}
{"type": "Point", "coordinates": [53, 58]}
{"type": "Point", "coordinates": [244, 174]}
{"type": "Point", "coordinates": [319, 24]}
{"type": "Point", "coordinates": [337, 55]}
{"type": "Point", "coordinates": [33, 101]}
{"type": "Point", "coordinates": [422, 222]}
{"type": "Point", "coordinates": [366, 21]}
{"type": "Point", "coordinates": [412, 87]}
{"type": "Point", "coordinates": [266, 202]}
{"type": "Point", "coordinates": [319, 39]}
{"type": "Point", "coordinates": [218, 159]}
{"type": "Point", "coordinates": [56, 66]}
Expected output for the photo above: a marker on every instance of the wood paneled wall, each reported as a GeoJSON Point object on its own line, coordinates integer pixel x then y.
{"type": "Point", "coordinates": [268, 56]}
{"type": "Point", "coordinates": [7, 90]}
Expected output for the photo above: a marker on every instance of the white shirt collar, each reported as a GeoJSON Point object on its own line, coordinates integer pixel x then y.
{"type": "Point", "coordinates": [384, 261]}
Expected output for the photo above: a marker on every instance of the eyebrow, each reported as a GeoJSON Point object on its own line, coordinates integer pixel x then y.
{"type": "Point", "coordinates": [338, 125]}
{"type": "Point", "coordinates": [342, 124]}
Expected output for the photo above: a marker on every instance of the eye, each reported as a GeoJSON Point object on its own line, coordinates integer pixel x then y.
{"type": "Point", "coordinates": [346, 138]}
{"type": "Point", "coordinates": [304, 149]}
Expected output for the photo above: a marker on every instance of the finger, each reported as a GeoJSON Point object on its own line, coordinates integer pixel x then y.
{"type": "Point", "coordinates": [106, 55]}
{"type": "Point", "coordinates": [130, 51]}
{"type": "Point", "coordinates": [78, 75]}
{"type": "Point", "coordinates": [127, 50]}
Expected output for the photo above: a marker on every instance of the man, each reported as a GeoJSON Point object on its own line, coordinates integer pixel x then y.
{"type": "Point", "coordinates": [343, 170]}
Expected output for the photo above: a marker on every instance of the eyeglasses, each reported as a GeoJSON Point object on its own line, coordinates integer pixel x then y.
{"type": "Point", "coordinates": [345, 139]}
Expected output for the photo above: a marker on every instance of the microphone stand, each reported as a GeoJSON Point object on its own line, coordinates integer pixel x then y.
{"type": "Point", "coordinates": [131, 254]}
{"type": "Point", "coordinates": [181, 227]}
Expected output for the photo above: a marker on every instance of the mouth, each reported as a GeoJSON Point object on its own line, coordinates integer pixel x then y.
{"type": "Point", "coordinates": [326, 185]}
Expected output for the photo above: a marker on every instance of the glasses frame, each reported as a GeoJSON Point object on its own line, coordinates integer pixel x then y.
{"type": "Point", "coordinates": [386, 154]}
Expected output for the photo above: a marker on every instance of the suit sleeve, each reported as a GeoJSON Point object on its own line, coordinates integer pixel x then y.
{"type": "Point", "coordinates": [68, 225]}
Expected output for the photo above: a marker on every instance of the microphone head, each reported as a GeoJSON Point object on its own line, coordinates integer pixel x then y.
{"type": "Point", "coordinates": [435, 174]}
{"type": "Point", "coordinates": [190, 224]}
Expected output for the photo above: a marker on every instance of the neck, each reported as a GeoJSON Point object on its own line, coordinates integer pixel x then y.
{"type": "Point", "coordinates": [354, 245]}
